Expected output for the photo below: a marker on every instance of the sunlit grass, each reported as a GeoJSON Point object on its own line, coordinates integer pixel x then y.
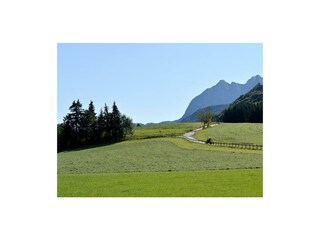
{"type": "Point", "coordinates": [156, 155]}
{"type": "Point", "coordinates": [233, 132]}
{"type": "Point", "coordinates": [163, 130]}
{"type": "Point", "coordinates": [147, 166]}
{"type": "Point", "coordinates": [223, 183]}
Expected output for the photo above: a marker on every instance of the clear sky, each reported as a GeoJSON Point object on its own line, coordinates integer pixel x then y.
{"type": "Point", "coordinates": [149, 82]}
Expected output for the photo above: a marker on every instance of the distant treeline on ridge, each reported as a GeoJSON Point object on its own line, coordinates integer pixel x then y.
{"type": "Point", "coordinates": [247, 108]}
{"type": "Point", "coordinates": [82, 127]}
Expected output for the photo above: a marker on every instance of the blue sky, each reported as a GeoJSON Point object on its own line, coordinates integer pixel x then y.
{"type": "Point", "coordinates": [149, 82]}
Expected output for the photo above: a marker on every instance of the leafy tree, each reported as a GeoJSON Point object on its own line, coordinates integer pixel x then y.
{"type": "Point", "coordinates": [127, 125]}
{"type": "Point", "coordinates": [205, 117]}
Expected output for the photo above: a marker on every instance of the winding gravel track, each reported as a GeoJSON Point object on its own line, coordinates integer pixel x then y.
{"type": "Point", "coordinates": [191, 139]}
{"type": "Point", "coordinates": [189, 135]}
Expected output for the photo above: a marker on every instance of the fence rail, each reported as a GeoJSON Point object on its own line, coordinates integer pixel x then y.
{"type": "Point", "coordinates": [239, 145]}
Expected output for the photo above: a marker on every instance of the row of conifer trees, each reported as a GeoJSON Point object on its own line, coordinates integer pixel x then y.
{"type": "Point", "coordinates": [82, 127]}
{"type": "Point", "coordinates": [250, 112]}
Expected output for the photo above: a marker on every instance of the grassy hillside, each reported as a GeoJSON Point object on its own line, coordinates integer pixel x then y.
{"type": "Point", "coordinates": [163, 130]}
{"type": "Point", "coordinates": [231, 183]}
{"type": "Point", "coordinates": [233, 132]}
{"type": "Point", "coordinates": [153, 156]}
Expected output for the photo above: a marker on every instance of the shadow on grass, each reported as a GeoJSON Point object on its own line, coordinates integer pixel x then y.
{"type": "Point", "coordinates": [86, 147]}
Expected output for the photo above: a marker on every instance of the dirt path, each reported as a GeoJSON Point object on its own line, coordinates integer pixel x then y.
{"type": "Point", "coordinates": [189, 135]}
{"type": "Point", "coordinates": [191, 139]}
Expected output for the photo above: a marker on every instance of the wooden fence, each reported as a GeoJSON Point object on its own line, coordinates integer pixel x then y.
{"type": "Point", "coordinates": [239, 145]}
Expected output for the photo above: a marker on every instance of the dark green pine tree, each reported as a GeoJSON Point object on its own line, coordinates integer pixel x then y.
{"type": "Point", "coordinates": [84, 128]}
{"type": "Point", "coordinates": [90, 125]}
{"type": "Point", "coordinates": [107, 119]}
{"type": "Point", "coordinates": [74, 121]}
{"type": "Point", "coordinates": [115, 123]}
{"type": "Point", "coordinates": [63, 136]}
{"type": "Point", "coordinates": [103, 125]}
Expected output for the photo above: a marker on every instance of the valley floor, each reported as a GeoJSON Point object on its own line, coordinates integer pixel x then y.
{"type": "Point", "coordinates": [161, 167]}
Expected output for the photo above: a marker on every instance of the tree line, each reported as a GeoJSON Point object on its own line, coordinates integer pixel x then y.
{"type": "Point", "coordinates": [82, 127]}
{"type": "Point", "coordinates": [247, 108]}
{"type": "Point", "coordinates": [244, 113]}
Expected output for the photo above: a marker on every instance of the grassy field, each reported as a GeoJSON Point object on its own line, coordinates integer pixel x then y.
{"type": "Point", "coordinates": [154, 155]}
{"type": "Point", "coordinates": [221, 183]}
{"type": "Point", "coordinates": [166, 166]}
{"type": "Point", "coordinates": [163, 130]}
{"type": "Point", "coordinates": [233, 132]}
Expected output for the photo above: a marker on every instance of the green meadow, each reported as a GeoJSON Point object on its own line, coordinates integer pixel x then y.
{"type": "Point", "coordinates": [163, 130]}
{"type": "Point", "coordinates": [151, 165]}
{"type": "Point", "coordinates": [219, 183]}
{"type": "Point", "coordinates": [233, 132]}
{"type": "Point", "coordinates": [154, 155]}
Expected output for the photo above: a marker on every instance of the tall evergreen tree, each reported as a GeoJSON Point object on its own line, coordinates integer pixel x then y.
{"type": "Point", "coordinates": [103, 122]}
{"type": "Point", "coordinates": [101, 126]}
{"type": "Point", "coordinates": [107, 119]}
{"type": "Point", "coordinates": [90, 124]}
{"type": "Point", "coordinates": [115, 123]}
{"type": "Point", "coordinates": [75, 121]}
{"type": "Point", "coordinates": [62, 137]}
{"type": "Point", "coordinates": [75, 118]}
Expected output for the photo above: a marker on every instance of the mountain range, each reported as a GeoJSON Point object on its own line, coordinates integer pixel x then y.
{"type": "Point", "coordinates": [216, 99]}
{"type": "Point", "coordinates": [222, 93]}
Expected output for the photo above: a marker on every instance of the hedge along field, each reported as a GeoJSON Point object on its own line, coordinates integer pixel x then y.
{"type": "Point", "coordinates": [155, 155]}
{"type": "Point", "coordinates": [163, 130]}
{"type": "Point", "coordinates": [233, 132]}
{"type": "Point", "coordinates": [220, 183]}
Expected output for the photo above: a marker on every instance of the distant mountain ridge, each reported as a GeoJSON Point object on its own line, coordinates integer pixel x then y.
{"type": "Point", "coordinates": [222, 93]}
{"type": "Point", "coordinates": [215, 110]}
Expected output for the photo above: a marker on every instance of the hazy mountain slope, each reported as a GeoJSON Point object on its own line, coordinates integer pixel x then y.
{"type": "Point", "coordinates": [220, 94]}
{"type": "Point", "coordinates": [213, 109]}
